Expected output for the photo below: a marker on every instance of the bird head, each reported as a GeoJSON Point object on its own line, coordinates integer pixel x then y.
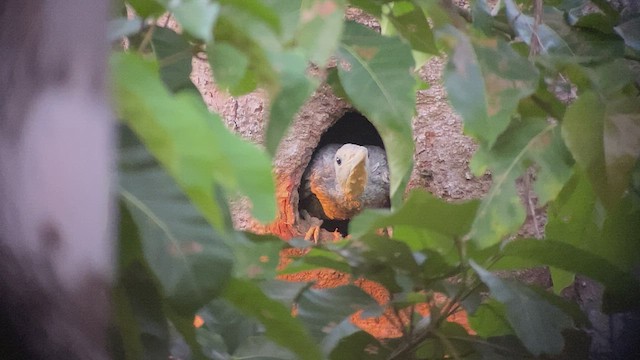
{"type": "Point", "coordinates": [351, 163]}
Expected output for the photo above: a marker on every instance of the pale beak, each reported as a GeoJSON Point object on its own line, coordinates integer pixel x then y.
{"type": "Point", "coordinates": [352, 173]}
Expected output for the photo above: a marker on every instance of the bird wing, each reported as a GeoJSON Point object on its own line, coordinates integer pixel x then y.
{"type": "Point", "coordinates": [318, 178]}
{"type": "Point", "coordinates": [376, 194]}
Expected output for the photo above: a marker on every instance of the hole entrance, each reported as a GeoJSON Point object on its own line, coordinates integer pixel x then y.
{"type": "Point", "coordinates": [354, 128]}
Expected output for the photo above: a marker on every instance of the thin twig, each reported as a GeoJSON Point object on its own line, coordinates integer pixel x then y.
{"type": "Point", "coordinates": [147, 38]}
{"type": "Point", "coordinates": [537, 20]}
{"type": "Point", "coordinates": [530, 206]}
{"type": "Point", "coordinates": [411, 324]}
{"type": "Point", "coordinates": [166, 21]}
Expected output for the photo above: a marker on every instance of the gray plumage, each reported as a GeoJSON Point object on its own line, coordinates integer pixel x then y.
{"type": "Point", "coordinates": [324, 198]}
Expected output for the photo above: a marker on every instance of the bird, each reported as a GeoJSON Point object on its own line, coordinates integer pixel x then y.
{"type": "Point", "coordinates": [342, 180]}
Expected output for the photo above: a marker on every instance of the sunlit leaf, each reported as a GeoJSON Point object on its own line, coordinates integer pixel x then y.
{"type": "Point", "coordinates": [229, 67]}
{"type": "Point", "coordinates": [197, 17]}
{"type": "Point", "coordinates": [490, 320]}
{"type": "Point", "coordinates": [255, 40]}
{"type": "Point", "coordinates": [294, 90]}
{"type": "Point", "coordinates": [146, 8]}
{"type": "Point", "coordinates": [192, 144]}
{"type": "Point", "coordinates": [413, 26]}
{"type": "Point", "coordinates": [319, 29]}
{"type": "Point", "coordinates": [317, 259]}
{"type": "Point", "coordinates": [421, 210]}
{"type": "Point", "coordinates": [257, 10]}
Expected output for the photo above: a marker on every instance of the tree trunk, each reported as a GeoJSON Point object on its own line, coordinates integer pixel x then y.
{"type": "Point", "coordinates": [56, 148]}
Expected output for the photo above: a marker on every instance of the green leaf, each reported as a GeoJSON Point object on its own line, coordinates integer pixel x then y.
{"type": "Point", "coordinates": [381, 259]}
{"type": "Point", "coordinates": [561, 279]}
{"type": "Point", "coordinates": [623, 290]}
{"type": "Point", "coordinates": [280, 327]}
{"type": "Point", "coordinates": [294, 90]}
{"type": "Point", "coordinates": [334, 81]}
{"type": "Point", "coordinates": [288, 11]}
{"type": "Point", "coordinates": [526, 142]}
{"type": "Point", "coordinates": [286, 292]}
{"type": "Point", "coordinates": [189, 259]}
{"type": "Point", "coordinates": [620, 242]}
{"type": "Point", "coordinates": [146, 8]}
{"type": "Point", "coordinates": [536, 322]}
{"type": "Point", "coordinates": [603, 138]}
{"type": "Point", "coordinates": [375, 72]}
{"type": "Point", "coordinates": [183, 324]}
{"type": "Point", "coordinates": [257, 10]}
{"type": "Point", "coordinates": [584, 46]}
{"type": "Point", "coordinates": [192, 144]}
{"type": "Point", "coordinates": [490, 320]}
{"type": "Point", "coordinates": [485, 79]}
{"type": "Point", "coordinates": [373, 7]}
{"type": "Point", "coordinates": [197, 17]}
{"type": "Point", "coordinates": [355, 345]}
{"type": "Point", "coordinates": [321, 310]}
{"type": "Point", "coordinates": [414, 27]}
{"type": "Point", "coordinates": [256, 257]}
{"type": "Point", "coordinates": [123, 27]}
{"type": "Point", "coordinates": [254, 39]}
{"type": "Point", "coordinates": [583, 17]}
{"type": "Point", "coordinates": [142, 326]}
{"type": "Point", "coordinates": [523, 25]}
{"type": "Point", "coordinates": [224, 328]}
{"type": "Point", "coordinates": [421, 210]}
{"type": "Point", "coordinates": [448, 337]}
{"type": "Point", "coordinates": [316, 259]}
{"type": "Point", "coordinates": [229, 67]}
{"type": "Point", "coordinates": [174, 56]}
{"type": "Point", "coordinates": [571, 219]}
{"type": "Point", "coordinates": [319, 29]}
{"type": "Point", "coordinates": [630, 32]}
{"type": "Point", "coordinates": [259, 347]}
{"type": "Point", "coordinates": [481, 14]}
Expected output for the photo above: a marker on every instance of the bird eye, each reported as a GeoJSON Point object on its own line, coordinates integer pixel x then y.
{"type": "Point", "coordinates": [339, 161]}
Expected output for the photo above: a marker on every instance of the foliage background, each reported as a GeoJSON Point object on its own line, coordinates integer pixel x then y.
{"type": "Point", "coordinates": [179, 255]}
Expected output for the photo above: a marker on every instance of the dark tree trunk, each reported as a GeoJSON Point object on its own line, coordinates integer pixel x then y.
{"type": "Point", "coordinates": [56, 146]}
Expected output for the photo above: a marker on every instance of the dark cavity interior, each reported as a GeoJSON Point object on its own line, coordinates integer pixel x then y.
{"type": "Point", "coordinates": [353, 128]}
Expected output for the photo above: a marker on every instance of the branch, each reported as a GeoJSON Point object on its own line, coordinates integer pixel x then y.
{"type": "Point", "coordinates": [535, 39]}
